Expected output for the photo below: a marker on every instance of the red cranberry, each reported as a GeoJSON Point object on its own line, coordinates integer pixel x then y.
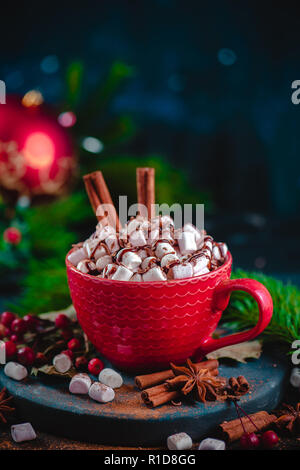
{"type": "Point", "coordinates": [12, 235]}
{"type": "Point", "coordinates": [10, 349]}
{"type": "Point", "coordinates": [16, 338]}
{"type": "Point", "coordinates": [26, 356]}
{"type": "Point", "coordinates": [66, 334]}
{"type": "Point", "coordinates": [81, 363]}
{"type": "Point", "coordinates": [74, 344]}
{"type": "Point", "coordinates": [62, 321]}
{"type": "Point", "coordinates": [249, 441]}
{"type": "Point", "coordinates": [7, 318]}
{"type": "Point", "coordinates": [18, 326]}
{"type": "Point", "coordinates": [31, 321]}
{"type": "Point", "coordinates": [68, 352]}
{"type": "Point", "coordinates": [269, 439]}
{"type": "Point", "coordinates": [95, 366]}
{"type": "Point", "coordinates": [40, 359]}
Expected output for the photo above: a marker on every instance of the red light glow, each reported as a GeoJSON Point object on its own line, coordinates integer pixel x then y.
{"type": "Point", "coordinates": [39, 150]}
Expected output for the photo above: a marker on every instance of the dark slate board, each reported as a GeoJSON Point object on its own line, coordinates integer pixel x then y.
{"type": "Point", "coordinates": [48, 405]}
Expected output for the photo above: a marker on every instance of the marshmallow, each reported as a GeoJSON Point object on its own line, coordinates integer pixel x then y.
{"type": "Point", "coordinates": [112, 243]}
{"type": "Point", "coordinates": [154, 274]}
{"type": "Point", "coordinates": [130, 259]}
{"type": "Point", "coordinates": [103, 261]}
{"type": "Point", "coordinates": [187, 243]}
{"type": "Point", "coordinates": [212, 444]}
{"type": "Point", "coordinates": [199, 263]}
{"type": "Point", "coordinates": [133, 224]}
{"type": "Point", "coordinates": [136, 278]}
{"type": "Point", "coordinates": [219, 251]}
{"type": "Point", "coordinates": [151, 260]}
{"type": "Point", "coordinates": [180, 441]}
{"type": "Point", "coordinates": [95, 248]}
{"type": "Point", "coordinates": [77, 255]}
{"type": "Point", "coordinates": [143, 254]}
{"type": "Point", "coordinates": [22, 432]}
{"type": "Point", "coordinates": [122, 274]}
{"type": "Point", "coordinates": [181, 271]}
{"type": "Point", "coordinates": [202, 271]}
{"type": "Point", "coordinates": [167, 259]}
{"type": "Point", "coordinates": [105, 232]}
{"type": "Point", "coordinates": [86, 266]}
{"type": "Point", "coordinates": [163, 248]}
{"type": "Point", "coordinates": [101, 392]}
{"type": "Point", "coordinates": [137, 238]}
{"type": "Point", "coordinates": [15, 371]}
{"type": "Point", "coordinates": [153, 236]}
{"type": "Point", "coordinates": [295, 377]}
{"type": "Point", "coordinates": [62, 363]}
{"type": "Point", "coordinates": [80, 384]}
{"type": "Point", "coordinates": [111, 378]}
{"type": "Point", "coordinates": [191, 228]}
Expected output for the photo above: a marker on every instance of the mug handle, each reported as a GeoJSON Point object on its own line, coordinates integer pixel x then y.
{"type": "Point", "coordinates": [219, 303]}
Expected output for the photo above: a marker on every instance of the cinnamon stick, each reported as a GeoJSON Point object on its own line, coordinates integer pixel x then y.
{"type": "Point", "coordinates": [100, 199]}
{"type": "Point", "coordinates": [149, 380]}
{"type": "Point", "coordinates": [158, 395]}
{"type": "Point", "coordinates": [233, 430]}
{"type": "Point", "coordinates": [145, 180]}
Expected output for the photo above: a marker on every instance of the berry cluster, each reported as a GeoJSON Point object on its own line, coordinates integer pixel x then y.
{"type": "Point", "coordinates": [32, 341]}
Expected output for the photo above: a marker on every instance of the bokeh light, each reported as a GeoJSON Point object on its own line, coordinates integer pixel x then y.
{"type": "Point", "coordinates": [39, 150]}
{"type": "Point", "coordinates": [49, 64]}
{"type": "Point", "coordinates": [227, 56]}
{"type": "Point", "coordinates": [93, 145]}
{"type": "Point", "coordinates": [67, 119]}
{"type": "Point", "coordinates": [32, 98]}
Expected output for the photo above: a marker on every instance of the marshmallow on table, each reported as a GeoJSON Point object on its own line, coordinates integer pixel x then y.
{"type": "Point", "coordinates": [86, 266]}
{"type": "Point", "coordinates": [130, 259]}
{"type": "Point", "coordinates": [295, 377]}
{"type": "Point", "coordinates": [103, 261]}
{"type": "Point", "coordinates": [101, 392]}
{"type": "Point", "coordinates": [154, 274]}
{"type": "Point", "coordinates": [111, 378]}
{"type": "Point", "coordinates": [212, 444]}
{"type": "Point", "coordinates": [163, 248]}
{"type": "Point", "coordinates": [62, 363]}
{"type": "Point", "coordinates": [22, 432]}
{"type": "Point", "coordinates": [180, 441]}
{"type": "Point", "coordinates": [80, 384]}
{"type": "Point", "coordinates": [187, 243]}
{"type": "Point", "coordinates": [137, 238]}
{"type": "Point", "coordinates": [15, 371]}
{"type": "Point", "coordinates": [181, 271]}
{"type": "Point", "coordinates": [77, 255]}
{"type": "Point", "coordinates": [167, 259]}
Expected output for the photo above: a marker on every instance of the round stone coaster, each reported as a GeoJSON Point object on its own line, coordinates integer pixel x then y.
{"type": "Point", "coordinates": [47, 404]}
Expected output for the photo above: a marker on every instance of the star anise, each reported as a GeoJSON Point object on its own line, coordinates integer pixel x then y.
{"type": "Point", "coordinates": [4, 408]}
{"type": "Point", "coordinates": [199, 383]}
{"type": "Point", "coordinates": [289, 419]}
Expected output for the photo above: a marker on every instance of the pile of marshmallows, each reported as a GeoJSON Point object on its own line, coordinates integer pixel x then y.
{"type": "Point", "coordinates": [148, 251]}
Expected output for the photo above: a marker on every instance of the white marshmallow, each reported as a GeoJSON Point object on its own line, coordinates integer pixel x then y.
{"type": "Point", "coordinates": [151, 260]}
{"type": "Point", "coordinates": [111, 378]}
{"type": "Point", "coordinates": [101, 392]}
{"type": "Point", "coordinates": [80, 384]}
{"type": "Point", "coordinates": [109, 270]}
{"type": "Point", "coordinates": [112, 243]}
{"type": "Point", "coordinates": [163, 248]}
{"type": "Point", "coordinates": [86, 266]}
{"type": "Point", "coordinates": [199, 264]}
{"type": "Point", "coordinates": [143, 254]}
{"type": "Point", "coordinates": [154, 274]}
{"type": "Point", "coordinates": [122, 274]}
{"type": "Point", "coordinates": [202, 271]}
{"type": "Point", "coordinates": [130, 259]}
{"type": "Point", "coordinates": [105, 232]}
{"type": "Point", "coordinates": [187, 243]}
{"type": "Point", "coordinates": [136, 278]}
{"type": "Point", "coordinates": [137, 238]}
{"type": "Point", "coordinates": [219, 251]}
{"type": "Point", "coordinates": [153, 236]}
{"type": "Point", "coordinates": [212, 444]}
{"type": "Point", "coordinates": [77, 255]}
{"type": "Point", "coordinates": [103, 261]}
{"type": "Point", "coordinates": [22, 432]}
{"type": "Point", "coordinates": [180, 441]}
{"type": "Point", "coordinates": [62, 363]}
{"type": "Point", "coordinates": [295, 377]}
{"type": "Point", "coordinates": [167, 259]}
{"type": "Point", "coordinates": [197, 233]}
{"type": "Point", "coordinates": [133, 225]}
{"type": "Point", "coordinates": [15, 371]}
{"type": "Point", "coordinates": [181, 271]}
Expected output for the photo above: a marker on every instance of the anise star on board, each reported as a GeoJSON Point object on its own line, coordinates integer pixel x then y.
{"type": "Point", "coordinates": [191, 379]}
{"type": "Point", "coordinates": [290, 419]}
{"type": "Point", "coordinates": [4, 408]}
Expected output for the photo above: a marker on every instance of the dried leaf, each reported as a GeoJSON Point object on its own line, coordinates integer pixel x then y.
{"type": "Point", "coordinates": [238, 352]}
{"type": "Point", "coordinates": [50, 370]}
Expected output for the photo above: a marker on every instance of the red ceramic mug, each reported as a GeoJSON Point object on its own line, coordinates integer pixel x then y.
{"type": "Point", "coordinates": [141, 326]}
